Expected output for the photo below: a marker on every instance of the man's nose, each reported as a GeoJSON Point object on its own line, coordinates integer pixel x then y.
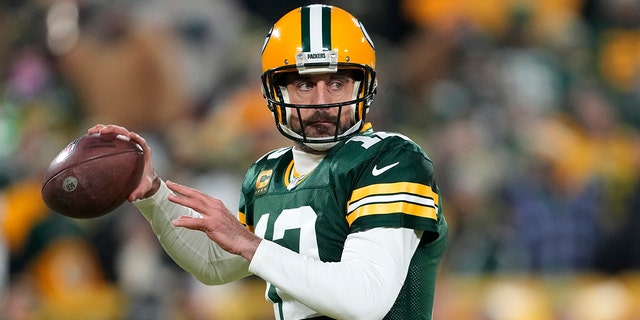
{"type": "Point", "coordinates": [320, 95]}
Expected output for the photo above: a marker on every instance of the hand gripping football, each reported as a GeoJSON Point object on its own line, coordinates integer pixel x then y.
{"type": "Point", "coordinates": [93, 175]}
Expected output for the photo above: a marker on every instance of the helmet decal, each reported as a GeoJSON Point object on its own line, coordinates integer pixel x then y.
{"type": "Point", "coordinates": [366, 35]}
{"type": "Point", "coordinates": [266, 40]}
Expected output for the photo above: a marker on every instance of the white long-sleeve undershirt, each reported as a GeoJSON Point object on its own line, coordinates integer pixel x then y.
{"type": "Point", "coordinates": [191, 250]}
{"type": "Point", "coordinates": [363, 285]}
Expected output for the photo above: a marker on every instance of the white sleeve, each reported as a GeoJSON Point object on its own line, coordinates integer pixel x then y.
{"type": "Point", "coordinates": [363, 285]}
{"type": "Point", "coordinates": [191, 250]}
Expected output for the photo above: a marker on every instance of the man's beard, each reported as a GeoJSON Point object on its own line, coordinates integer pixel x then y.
{"type": "Point", "coordinates": [320, 124]}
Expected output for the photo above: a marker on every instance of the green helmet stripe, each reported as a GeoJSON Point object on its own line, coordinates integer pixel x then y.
{"type": "Point", "coordinates": [326, 28]}
{"type": "Point", "coordinates": [306, 42]}
{"type": "Point", "coordinates": [316, 39]}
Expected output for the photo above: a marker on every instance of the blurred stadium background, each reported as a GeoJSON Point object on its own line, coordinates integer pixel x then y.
{"type": "Point", "coordinates": [529, 109]}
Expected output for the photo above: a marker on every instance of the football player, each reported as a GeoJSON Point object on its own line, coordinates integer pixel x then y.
{"type": "Point", "coordinates": [347, 222]}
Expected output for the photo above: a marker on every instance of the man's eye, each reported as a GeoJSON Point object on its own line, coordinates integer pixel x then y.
{"type": "Point", "coordinates": [305, 85]}
{"type": "Point", "coordinates": [335, 85]}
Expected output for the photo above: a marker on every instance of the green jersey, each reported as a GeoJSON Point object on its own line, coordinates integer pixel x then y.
{"type": "Point", "coordinates": [372, 180]}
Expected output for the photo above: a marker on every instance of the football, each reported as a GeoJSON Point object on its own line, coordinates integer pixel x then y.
{"type": "Point", "coordinates": [92, 175]}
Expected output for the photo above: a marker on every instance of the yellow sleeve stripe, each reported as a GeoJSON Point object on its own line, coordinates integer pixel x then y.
{"type": "Point", "coordinates": [401, 197]}
{"type": "Point", "coordinates": [242, 217]}
{"type": "Point", "coordinates": [395, 207]}
{"type": "Point", "coordinates": [373, 199]}
{"type": "Point", "coordinates": [417, 189]}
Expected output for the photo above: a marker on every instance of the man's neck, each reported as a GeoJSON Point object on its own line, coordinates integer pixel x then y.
{"type": "Point", "coordinates": [305, 161]}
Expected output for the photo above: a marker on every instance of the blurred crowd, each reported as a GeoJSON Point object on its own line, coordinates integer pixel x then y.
{"type": "Point", "coordinates": [528, 108]}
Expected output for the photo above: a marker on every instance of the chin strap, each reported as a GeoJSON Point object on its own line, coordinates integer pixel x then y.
{"type": "Point", "coordinates": [320, 146]}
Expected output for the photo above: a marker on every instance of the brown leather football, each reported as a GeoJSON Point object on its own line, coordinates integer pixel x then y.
{"type": "Point", "coordinates": [93, 175]}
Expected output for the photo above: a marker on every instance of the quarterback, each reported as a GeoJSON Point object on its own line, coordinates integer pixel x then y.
{"type": "Point", "coordinates": [345, 223]}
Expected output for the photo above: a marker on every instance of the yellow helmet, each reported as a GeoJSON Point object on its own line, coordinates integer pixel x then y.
{"type": "Point", "coordinates": [318, 39]}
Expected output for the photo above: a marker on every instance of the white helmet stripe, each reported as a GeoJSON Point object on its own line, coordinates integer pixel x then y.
{"type": "Point", "coordinates": [315, 34]}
